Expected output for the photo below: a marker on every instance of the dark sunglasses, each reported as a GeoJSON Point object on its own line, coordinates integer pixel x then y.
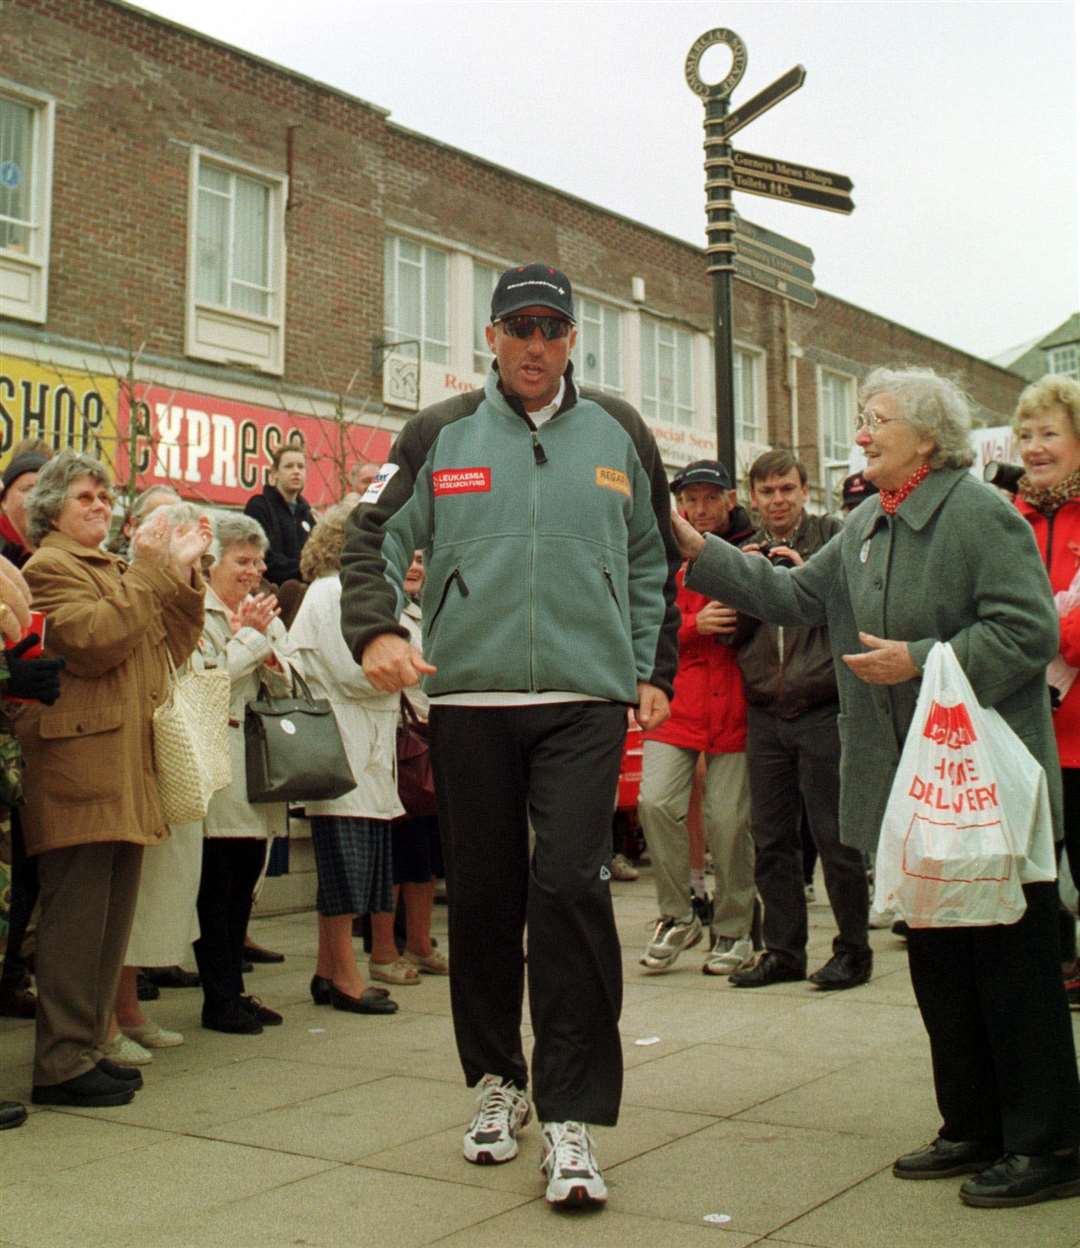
{"type": "Point", "coordinates": [551, 327]}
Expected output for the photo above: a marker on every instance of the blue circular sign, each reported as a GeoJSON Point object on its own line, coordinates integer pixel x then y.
{"type": "Point", "coordinates": [10, 174]}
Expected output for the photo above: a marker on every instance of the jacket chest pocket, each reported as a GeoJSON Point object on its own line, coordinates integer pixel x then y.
{"type": "Point", "coordinates": [55, 725]}
{"type": "Point", "coordinates": [83, 757]}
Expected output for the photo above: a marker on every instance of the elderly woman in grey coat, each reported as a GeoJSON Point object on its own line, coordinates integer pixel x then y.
{"type": "Point", "coordinates": [937, 556]}
{"type": "Point", "coordinates": [242, 634]}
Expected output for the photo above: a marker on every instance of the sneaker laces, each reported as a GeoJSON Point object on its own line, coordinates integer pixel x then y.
{"type": "Point", "coordinates": [495, 1106]}
{"type": "Point", "coordinates": [570, 1147]}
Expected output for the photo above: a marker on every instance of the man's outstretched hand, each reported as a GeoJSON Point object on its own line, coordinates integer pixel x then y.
{"type": "Point", "coordinates": [391, 663]}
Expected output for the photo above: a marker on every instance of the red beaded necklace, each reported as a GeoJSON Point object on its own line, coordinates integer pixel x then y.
{"type": "Point", "coordinates": [891, 499]}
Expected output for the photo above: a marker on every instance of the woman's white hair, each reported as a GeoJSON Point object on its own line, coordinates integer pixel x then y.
{"type": "Point", "coordinates": [935, 407]}
{"type": "Point", "coordinates": [236, 529]}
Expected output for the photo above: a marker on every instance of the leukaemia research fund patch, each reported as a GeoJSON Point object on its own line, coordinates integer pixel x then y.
{"type": "Point", "coordinates": [371, 494]}
{"type": "Point", "coordinates": [613, 479]}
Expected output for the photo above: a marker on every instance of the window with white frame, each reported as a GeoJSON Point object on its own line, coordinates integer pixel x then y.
{"type": "Point", "coordinates": [836, 414]}
{"type": "Point", "coordinates": [748, 369]}
{"type": "Point", "coordinates": [236, 267]}
{"type": "Point", "coordinates": [598, 352]}
{"type": "Point", "coordinates": [416, 297]}
{"type": "Point", "coordinates": [667, 373]}
{"type": "Point", "coordinates": [1065, 360]}
{"type": "Point", "coordinates": [484, 280]}
{"type": "Point", "coordinates": [26, 141]}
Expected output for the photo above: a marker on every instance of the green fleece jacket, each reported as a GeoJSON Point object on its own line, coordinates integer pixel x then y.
{"type": "Point", "coordinates": [549, 553]}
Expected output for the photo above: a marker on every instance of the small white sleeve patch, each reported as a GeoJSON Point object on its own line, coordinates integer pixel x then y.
{"type": "Point", "coordinates": [371, 495]}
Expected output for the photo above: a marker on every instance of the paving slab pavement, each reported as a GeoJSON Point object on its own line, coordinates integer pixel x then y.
{"type": "Point", "coordinates": [773, 1113]}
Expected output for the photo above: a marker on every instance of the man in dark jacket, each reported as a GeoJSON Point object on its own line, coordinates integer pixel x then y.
{"type": "Point", "coordinates": [793, 751]}
{"type": "Point", "coordinates": [708, 717]}
{"type": "Point", "coordinates": [284, 513]}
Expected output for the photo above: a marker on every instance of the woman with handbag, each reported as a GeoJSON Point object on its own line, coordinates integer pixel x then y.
{"type": "Point", "coordinates": [92, 801]}
{"type": "Point", "coordinates": [244, 636]}
{"type": "Point", "coordinates": [350, 834]}
{"type": "Point", "coordinates": [938, 556]}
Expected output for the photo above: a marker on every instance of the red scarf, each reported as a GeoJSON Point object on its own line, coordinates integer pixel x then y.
{"type": "Point", "coordinates": [891, 499]}
{"type": "Point", "coordinates": [8, 532]}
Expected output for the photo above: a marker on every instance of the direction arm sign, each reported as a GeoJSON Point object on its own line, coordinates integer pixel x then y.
{"type": "Point", "coordinates": [766, 166]}
{"type": "Point", "coordinates": [779, 90]}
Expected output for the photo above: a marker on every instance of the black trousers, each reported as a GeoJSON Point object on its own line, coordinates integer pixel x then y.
{"type": "Point", "coordinates": [795, 764]}
{"type": "Point", "coordinates": [25, 887]}
{"type": "Point", "coordinates": [1001, 1039]}
{"type": "Point", "coordinates": [230, 871]}
{"type": "Point", "coordinates": [495, 770]}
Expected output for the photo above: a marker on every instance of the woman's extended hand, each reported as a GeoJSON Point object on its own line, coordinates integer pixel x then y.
{"type": "Point", "coordinates": [691, 543]}
{"type": "Point", "coordinates": [884, 662]}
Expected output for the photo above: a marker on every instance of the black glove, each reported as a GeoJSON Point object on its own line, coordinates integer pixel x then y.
{"type": "Point", "coordinates": [35, 679]}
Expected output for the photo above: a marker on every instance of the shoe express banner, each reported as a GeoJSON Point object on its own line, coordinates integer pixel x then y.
{"type": "Point", "coordinates": [211, 449]}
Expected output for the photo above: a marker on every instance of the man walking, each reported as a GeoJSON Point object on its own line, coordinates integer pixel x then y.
{"type": "Point", "coordinates": [544, 518]}
{"type": "Point", "coordinates": [708, 716]}
{"type": "Point", "coordinates": [793, 752]}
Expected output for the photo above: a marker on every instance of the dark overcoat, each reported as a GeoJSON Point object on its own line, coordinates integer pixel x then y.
{"type": "Point", "coordinates": [955, 563]}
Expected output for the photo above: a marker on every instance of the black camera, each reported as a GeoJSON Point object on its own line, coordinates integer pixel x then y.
{"type": "Point", "coordinates": [778, 561]}
{"type": "Point", "coordinates": [1004, 476]}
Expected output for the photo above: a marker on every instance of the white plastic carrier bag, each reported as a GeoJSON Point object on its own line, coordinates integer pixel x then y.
{"type": "Point", "coordinates": [968, 820]}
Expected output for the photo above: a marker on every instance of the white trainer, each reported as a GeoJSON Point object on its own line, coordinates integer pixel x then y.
{"type": "Point", "coordinates": [574, 1178]}
{"type": "Point", "coordinates": [670, 938]}
{"type": "Point", "coordinates": [502, 1110]}
{"type": "Point", "coordinates": [729, 955]}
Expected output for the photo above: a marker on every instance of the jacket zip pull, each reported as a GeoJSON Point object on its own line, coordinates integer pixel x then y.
{"type": "Point", "coordinates": [538, 450]}
{"type": "Point", "coordinates": [461, 582]}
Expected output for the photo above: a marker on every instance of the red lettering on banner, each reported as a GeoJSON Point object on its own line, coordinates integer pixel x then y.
{"type": "Point", "coordinates": [461, 481]}
{"type": "Point", "coordinates": [218, 450]}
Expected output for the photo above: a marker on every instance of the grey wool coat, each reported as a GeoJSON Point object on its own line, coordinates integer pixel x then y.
{"type": "Point", "coordinates": [955, 563]}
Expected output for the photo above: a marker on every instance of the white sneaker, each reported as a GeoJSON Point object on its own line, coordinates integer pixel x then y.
{"type": "Point", "coordinates": [623, 869]}
{"type": "Point", "coordinates": [670, 938]}
{"type": "Point", "coordinates": [127, 1052]}
{"type": "Point", "coordinates": [574, 1178]}
{"type": "Point", "coordinates": [729, 955]}
{"type": "Point", "coordinates": [502, 1110]}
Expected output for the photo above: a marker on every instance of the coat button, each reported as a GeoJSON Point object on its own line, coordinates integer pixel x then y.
{"type": "Point", "coordinates": [78, 727]}
{"type": "Point", "coordinates": [878, 582]}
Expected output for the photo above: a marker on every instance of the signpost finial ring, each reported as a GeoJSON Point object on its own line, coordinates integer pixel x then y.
{"type": "Point", "coordinates": [712, 90]}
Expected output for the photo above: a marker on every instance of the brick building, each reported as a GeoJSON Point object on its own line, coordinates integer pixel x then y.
{"type": "Point", "coordinates": [202, 253]}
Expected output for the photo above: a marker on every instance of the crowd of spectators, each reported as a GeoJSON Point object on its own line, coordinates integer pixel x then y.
{"type": "Point", "coordinates": [86, 851]}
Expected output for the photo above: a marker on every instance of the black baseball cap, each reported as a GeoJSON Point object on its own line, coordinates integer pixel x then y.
{"type": "Point", "coordinates": [856, 488]}
{"type": "Point", "coordinates": [703, 472]}
{"type": "Point", "coordinates": [532, 286]}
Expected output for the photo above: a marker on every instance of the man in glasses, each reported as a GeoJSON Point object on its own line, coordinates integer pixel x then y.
{"type": "Point", "coordinates": [544, 518]}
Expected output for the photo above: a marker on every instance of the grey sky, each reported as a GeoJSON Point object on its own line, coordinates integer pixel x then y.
{"type": "Point", "coordinates": [956, 121]}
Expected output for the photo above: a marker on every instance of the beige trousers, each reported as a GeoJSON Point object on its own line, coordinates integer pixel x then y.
{"type": "Point", "coordinates": [667, 776]}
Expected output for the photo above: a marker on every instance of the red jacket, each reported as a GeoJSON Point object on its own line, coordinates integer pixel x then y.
{"type": "Point", "coordinates": [1058, 537]}
{"type": "Point", "coordinates": [709, 708]}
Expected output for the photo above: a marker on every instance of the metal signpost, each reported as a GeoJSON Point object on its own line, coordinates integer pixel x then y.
{"type": "Point", "coordinates": [736, 247]}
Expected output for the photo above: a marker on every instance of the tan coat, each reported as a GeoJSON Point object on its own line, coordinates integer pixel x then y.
{"type": "Point", "coordinates": [89, 757]}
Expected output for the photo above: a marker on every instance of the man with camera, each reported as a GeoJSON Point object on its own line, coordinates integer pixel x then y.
{"type": "Point", "coordinates": [793, 753]}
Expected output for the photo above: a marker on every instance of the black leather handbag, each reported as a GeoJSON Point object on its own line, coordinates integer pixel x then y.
{"type": "Point", "coordinates": [293, 749]}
